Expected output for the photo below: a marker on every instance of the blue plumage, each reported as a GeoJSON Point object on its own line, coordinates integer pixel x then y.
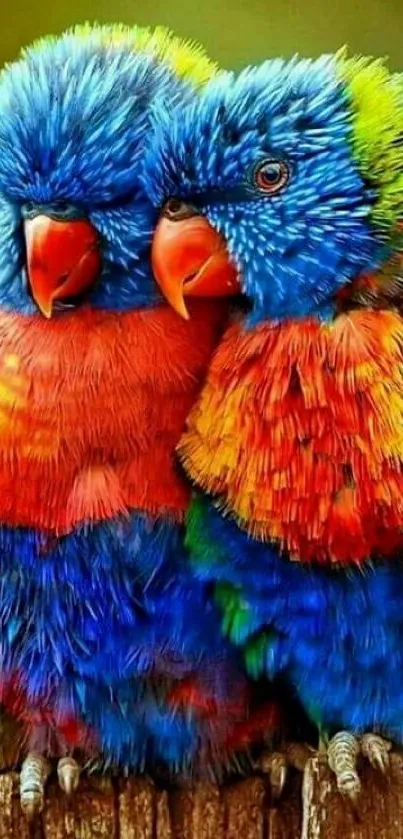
{"type": "Point", "coordinates": [101, 624]}
{"type": "Point", "coordinates": [320, 235]}
{"type": "Point", "coordinates": [284, 163]}
{"type": "Point", "coordinates": [100, 621]}
{"type": "Point", "coordinates": [335, 636]}
{"type": "Point", "coordinates": [75, 113]}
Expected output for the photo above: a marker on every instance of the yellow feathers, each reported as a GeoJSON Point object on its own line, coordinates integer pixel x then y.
{"type": "Point", "coordinates": [188, 59]}
{"type": "Point", "coordinates": [377, 103]}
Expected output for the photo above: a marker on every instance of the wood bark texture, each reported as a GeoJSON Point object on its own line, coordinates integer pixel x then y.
{"type": "Point", "coordinates": [311, 808]}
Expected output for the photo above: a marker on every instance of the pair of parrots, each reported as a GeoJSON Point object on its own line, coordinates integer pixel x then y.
{"type": "Point", "coordinates": [201, 405]}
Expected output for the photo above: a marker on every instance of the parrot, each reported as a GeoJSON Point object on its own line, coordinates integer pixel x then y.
{"type": "Point", "coordinates": [282, 186]}
{"type": "Point", "coordinates": [112, 654]}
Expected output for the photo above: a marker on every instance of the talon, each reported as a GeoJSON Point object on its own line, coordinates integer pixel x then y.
{"type": "Point", "coordinates": [298, 754]}
{"type": "Point", "coordinates": [343, 751]}
{"type": "Point", "coordinates": [275, 765]}
{"type": "Point", "coordinates": [34, 773]}
{"type": "Point", "coordinates": [376, 750]}
{"type": "Point", "coordinates": [68, 773]}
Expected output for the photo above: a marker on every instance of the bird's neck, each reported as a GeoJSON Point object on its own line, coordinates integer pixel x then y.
{"type": "Point", "coordinates": [92, 406]}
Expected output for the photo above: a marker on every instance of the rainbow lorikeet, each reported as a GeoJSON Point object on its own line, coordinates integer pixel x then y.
{"type": "Point", "coordinates": [110, 646]}
{"type": "Point", "coordinates": [285, 184]}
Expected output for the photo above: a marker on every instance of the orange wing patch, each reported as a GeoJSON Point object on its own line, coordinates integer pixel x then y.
{"type": "Point", "coordinates": [16, 430]}
{"type": "Point", "coordinates": [299, 432]}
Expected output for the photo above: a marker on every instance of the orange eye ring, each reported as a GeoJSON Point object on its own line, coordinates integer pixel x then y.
{"type": "Point", "coordinates": [271, 176]}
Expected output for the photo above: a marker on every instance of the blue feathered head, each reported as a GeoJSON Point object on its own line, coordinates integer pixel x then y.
{"type": "Point", "coordinates": [297, 166]}
{"type": "Point", "coordinates": [75, 223]}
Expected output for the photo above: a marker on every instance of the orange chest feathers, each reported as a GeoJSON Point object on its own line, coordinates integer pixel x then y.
{"type": "Point", "coordinates": [299, 430]}
{"type": "Point", "coordinates": [91, 409]}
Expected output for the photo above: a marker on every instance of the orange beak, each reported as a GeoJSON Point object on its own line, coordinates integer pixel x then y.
{"type": "Point", "coordinates": [189, 259]}
{"type": "Point", "coordinates": [63, 259]}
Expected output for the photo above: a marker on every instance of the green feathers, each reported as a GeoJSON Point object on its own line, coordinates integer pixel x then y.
{"type": "Point", "coordinates": [201, 548]}
{"type": "Point", "coordinates": [236, 612]}
{"type": "Point", "coordinates": [205, 552]}
{"type": "Point", "coordinates": [376, 98]}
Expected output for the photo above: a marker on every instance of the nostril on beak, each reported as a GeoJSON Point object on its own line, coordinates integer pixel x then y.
{"type": "Point", "coordinates": [175, 209]}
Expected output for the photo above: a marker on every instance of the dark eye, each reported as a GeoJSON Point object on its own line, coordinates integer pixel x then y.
{"type": "Point", "coordinates": [271, 176]}
{"type": "Point", "coordinates": [176, 210]}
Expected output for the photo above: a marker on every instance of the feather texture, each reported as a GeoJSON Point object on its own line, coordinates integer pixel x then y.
{"type": "Point", "coordinates": [109, 646]}
{"type": "Point", "coordinates": [99, 629]}
{"type": "Point", "coordinates": [298, 432]}
{"type": "Point", "coordinates": [295, 443]}
{"type": "Point", "coordinates": [92, 407]}
{"type": "Point", "coordinates": [335, 636]}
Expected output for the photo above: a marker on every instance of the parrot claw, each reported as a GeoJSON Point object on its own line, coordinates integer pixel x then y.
{"type": "Point", "coordinates": [34, 773]}
{"type": "Point", "coordinates": [376, 750]}
{"type": "Point", "coordinates": [275, 765]}
{"type": "Point", "coordinates": [342, 753]}
{"type": "Point", "coordinates": [68, 773]}
{"type": "Point", "coordinates": [298, 755]}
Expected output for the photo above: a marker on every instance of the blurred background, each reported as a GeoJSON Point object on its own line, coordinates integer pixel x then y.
{"type": "Point", "coordinates": [235, 32]}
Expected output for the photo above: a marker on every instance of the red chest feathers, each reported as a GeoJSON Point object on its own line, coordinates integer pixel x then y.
{"type": "Point", "coordinates": [91, 409]}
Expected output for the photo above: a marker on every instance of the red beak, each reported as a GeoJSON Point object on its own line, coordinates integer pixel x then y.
{"type": "Point", "coordinates": [63, 259]}
{"type": "Point", "coordinates": [189, 258]}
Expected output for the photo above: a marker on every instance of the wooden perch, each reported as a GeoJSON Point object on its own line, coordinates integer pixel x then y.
{"type": "Point", "coordinates": [136, 809]}
{"type": "Point", "coordinates": [378, 813]}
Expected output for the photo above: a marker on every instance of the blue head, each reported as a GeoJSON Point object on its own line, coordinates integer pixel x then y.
{"type": "Point", "coordinates": [270, 159]}
{"type": "Point", "coordinates": [74, 123]}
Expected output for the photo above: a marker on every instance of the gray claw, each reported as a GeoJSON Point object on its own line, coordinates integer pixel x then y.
{"type": "Point", "coordinates": [343, 751]}
{"type": "Point", "coordinates": [376, 750]}
{"type": "Point", "coordinates": [34, 773]}
{"type": "Point", "coordinates": [298, 754]}
{"type": "Point", "coordinates": [275, 765]}
{"type": "Point", "coordinates": [68, 773]}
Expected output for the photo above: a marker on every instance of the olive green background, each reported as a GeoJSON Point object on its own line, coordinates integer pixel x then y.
{"type": "Point", "coordinates": [235, 32]}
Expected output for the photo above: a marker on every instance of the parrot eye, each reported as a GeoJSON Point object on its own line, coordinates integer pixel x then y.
{"type": "Point", "coordinates": [271, 176]}
{"type": "Point", "coordinates": [176, 210]}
